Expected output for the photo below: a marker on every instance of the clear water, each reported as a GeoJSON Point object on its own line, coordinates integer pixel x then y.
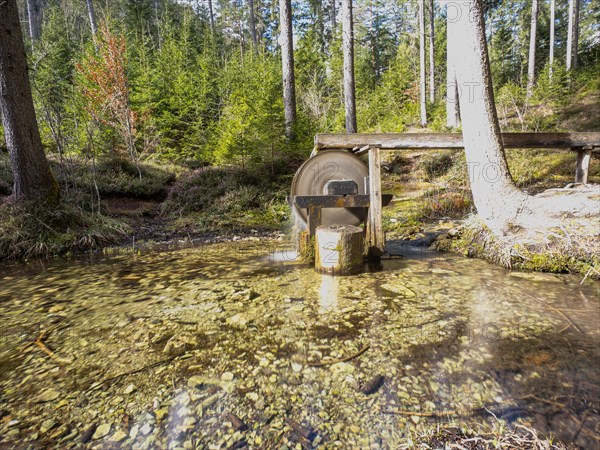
{"type": "Point", "coordinates": [169, 349]}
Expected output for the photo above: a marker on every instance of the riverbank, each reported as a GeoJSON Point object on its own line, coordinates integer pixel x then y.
{"type": "Point", "coordinates": [109, 205]}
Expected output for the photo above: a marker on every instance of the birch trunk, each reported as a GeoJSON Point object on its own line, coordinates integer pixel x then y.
{"type": "Point", "coordinates": [532, 46]}
{"type": "Point", "coordinates": [431, 51]}
{"type": "Point", "coordinates": [287, 61]}
{"type": "Point", "coordinates": [422, 83]}
{"type": "Point", "coordinates": [349, 84]}
{"type": "Point", "coordinates": [32, 177]}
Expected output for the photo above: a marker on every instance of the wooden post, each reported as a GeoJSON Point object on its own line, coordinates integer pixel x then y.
{"type": "Point", "coordinates": [583, 165]}
{"type": "Point", "coordinates": [314, 219]}
{"type": "Point", "coordinates": [339, 249]}
{"type": "Point", "coordinates": [375, 224]}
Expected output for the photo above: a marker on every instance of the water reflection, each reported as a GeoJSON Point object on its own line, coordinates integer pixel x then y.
{"type": "Point", "coordinates": [328, 293]}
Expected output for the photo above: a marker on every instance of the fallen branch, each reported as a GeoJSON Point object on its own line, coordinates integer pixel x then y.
{"type": "Point", "coordinates": [39, 342]}
{"type": "Point", "coordinates": [131, 372]}
{"type": "Point", "coordinates": [335, 361]}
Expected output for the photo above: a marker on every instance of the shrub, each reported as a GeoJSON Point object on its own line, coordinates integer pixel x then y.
{"type": "Point", "coordinates": [32, 230]}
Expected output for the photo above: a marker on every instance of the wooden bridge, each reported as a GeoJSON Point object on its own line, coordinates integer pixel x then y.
{"type": "Point", "coordinates": [372, 145]}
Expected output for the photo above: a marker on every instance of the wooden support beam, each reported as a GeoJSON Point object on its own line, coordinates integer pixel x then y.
{"type": "Point", "coordinates": [337, 201]}
{"type": "Point", "coordinates": [375, 222]}
{"type": "Point", "coordinates": [314, 219]}
{"type": "Point", "coordinates": [399, 141]}
{"type": "Point", "coordinates": [583, 165]}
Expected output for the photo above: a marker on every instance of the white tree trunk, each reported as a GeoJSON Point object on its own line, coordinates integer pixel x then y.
{"type": "Point", "coordinates": [287, 61]}
{"type": "Point", "coordinates": [452, 109]}
{"type": "Point", "coordinates": [422, 82]}
{"type": "Point", "coordinates": [532, 46]}
{"type": "Point", "coordinates": [502, 206]}
{"type": "Point", "coordinates": [552, 20]}
{"type": "Point", "coordinates": [573, 34]}
{"type": "Point", "coordinates": [431, 51]}
{"type": "Point", "coordinates": [349, 84]}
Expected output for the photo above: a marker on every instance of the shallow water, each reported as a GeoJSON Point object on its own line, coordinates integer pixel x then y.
{"type": "Point", "coordinates": [235, 345]}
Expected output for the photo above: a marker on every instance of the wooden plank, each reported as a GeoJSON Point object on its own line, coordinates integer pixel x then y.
{"type": "Point", "coordinates": [375, 222]}
{"type": "Point", "coordinates": [338, 201]}
{"type": "Point", "coordinates": [583, 165]}
{"type": "Point", "coordinates": [399, 141]}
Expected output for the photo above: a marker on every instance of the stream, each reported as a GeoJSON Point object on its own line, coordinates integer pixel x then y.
{"type": "Point", "coordinates": [237, 345]}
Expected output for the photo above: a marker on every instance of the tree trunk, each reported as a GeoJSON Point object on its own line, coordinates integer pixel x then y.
{"type": "Point", "coordinates": [494, 193]}
{"type": "Point", "coordinates": [422, 83]}
{"type": "Point", "coordinates": [576, 33]}
{"type": "Point", "coordinates": [92, 16]}
{"type": "Point", "coordinates": [253, 25]}
{"type": "Point", "coordinates": [339, 249]}
{"type": "Point", "coordinates": [34, 18]}
{"type": "Point", "coordinates": [505, 210]}
{"type": "Point", "coordinates": [333, 17]}
{"type": "Point", "coordinates": [573, 34]}
{"type": "Point", "coordinates": [349, 84]}
{"type": "Point", "coordinates": [211, 15]}
{"type": "Point", "coordinates": [431, 51]}
{"type": "Point", "coordinates": [452, 106]}
{"type": "Point", "coordinates": [32, 177]}
{"type": "Point", "coordinates": [287, 60]}
{"type": "Point", "coordinates": [552, 20]}
{"type": "Point", "coordinates": [532, 46]}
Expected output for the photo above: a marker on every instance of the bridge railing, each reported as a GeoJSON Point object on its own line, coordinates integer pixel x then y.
{"type": "Point", "coordinates": [360, 143]}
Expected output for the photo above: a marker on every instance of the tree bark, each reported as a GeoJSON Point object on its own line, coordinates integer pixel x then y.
{"type": "Point", "coordinates": [211, 15]}
{"type": "Point", "coordinates": [494, 193]}
{"type": "Point", "coordinates": [507, 211]}
{"type": "Point", "coordinates": [576, 34]}
{"type": "Point", "coordinates": [452, 106]}
{"type": "Point", "coordinates": [431, 51]}
{"type": "Point", "coordinates": [253, 25]}
{"type": "Point", "coordinates": [92, 16]}
{"type": "Point", "coordinates": [532, 47]}
{"type": "Point", "coordinates": [349, 83]}
{"type": "Point", "coordinates": [34, 17]}
{"type": "Point", "coordinates": [573, 34]}
{"type": "Point", "coordinates": [333, 17]}
{"type": "Point", "coordinates": [287, 60]}
{"type": "Point", "coordinates": [422, 83]}
{"type": "Point", "coordinates": [32, 177]}
{"type": "Point", "coordinates": [552, 20]}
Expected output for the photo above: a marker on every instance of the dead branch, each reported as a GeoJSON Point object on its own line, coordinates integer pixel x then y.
{"type": "Point", "coordinates": [335, 361]}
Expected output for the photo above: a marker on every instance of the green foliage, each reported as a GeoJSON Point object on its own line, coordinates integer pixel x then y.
{"type": "Point", "coordinates": [230, 198]}
{"type": "Point", "coordinates": [35, 231]}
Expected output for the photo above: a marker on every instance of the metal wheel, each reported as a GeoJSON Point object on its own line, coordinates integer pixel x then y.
{"type": "Point", "coordinates": [327, 165]}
